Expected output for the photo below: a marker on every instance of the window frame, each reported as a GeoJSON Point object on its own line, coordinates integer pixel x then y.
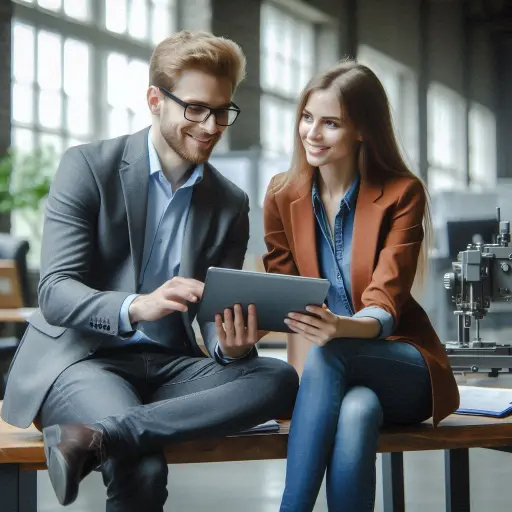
{"type": "Point", "coordinates": [453, 173]}
{"type": "Point", "coordinates": [405, 111]}
{"type": "Point", "coordinates": [284, 100]}
{"type": "Point", "coordinates": [100, 43]}
{"type": "Point", "coordinates": [482, 140]}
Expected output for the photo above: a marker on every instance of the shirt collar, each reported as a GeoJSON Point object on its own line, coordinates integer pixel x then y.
{"type": "Point", "coordinates": [155, 166]}
{"type": "Point", "coordinates": [349, 198]}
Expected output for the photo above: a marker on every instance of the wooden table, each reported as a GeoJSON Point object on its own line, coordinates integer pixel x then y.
{"type": "Point", "coordinates": [21, 453]}
{"type": "Point", "coordinates": [15, 315]}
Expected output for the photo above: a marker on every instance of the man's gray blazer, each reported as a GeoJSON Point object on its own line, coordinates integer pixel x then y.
{"type": "Point", "coordinates": [91, 257]}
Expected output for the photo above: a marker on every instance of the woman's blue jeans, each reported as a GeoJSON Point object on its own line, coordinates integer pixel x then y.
{"type": "Point", "coordinates": [349, 388]}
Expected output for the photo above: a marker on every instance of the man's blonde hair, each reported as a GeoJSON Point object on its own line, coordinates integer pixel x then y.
{"type": "Point", "coordinates": [218, 56]}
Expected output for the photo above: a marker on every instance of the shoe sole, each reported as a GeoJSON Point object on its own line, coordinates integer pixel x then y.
{"type": "Point", "coordinates": [65, 490]}
{"type": "Point", "coordinates": [51, 438]}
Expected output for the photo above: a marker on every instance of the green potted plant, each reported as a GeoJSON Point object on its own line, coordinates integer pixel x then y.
{"type": "Point", "coordinates": [25, 179]}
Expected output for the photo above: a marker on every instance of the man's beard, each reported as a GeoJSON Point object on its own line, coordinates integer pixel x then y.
{"type": "Point", "coordinates": [199, 156]}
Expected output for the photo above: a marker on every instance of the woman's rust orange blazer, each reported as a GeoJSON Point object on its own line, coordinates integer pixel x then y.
{"type": "Point", "coordinates": [385, 247]}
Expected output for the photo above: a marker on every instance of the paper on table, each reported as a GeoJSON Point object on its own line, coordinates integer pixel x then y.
{"type": "Point", "coordinates": [480, 401]}
{"type": "Point", "coordinates": [268, 426]}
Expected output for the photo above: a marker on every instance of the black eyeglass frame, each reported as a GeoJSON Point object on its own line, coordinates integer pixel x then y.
{"type": "Point", "coordinates": [233, 108]}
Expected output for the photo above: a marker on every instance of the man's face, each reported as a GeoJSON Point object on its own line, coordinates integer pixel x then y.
{"type": "Point", "coordinates": [193, 141]}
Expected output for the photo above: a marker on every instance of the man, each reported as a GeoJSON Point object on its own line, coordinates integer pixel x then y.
{"type": "Point", "coordinates": [109, 365]}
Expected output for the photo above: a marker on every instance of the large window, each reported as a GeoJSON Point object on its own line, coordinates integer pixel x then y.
{"type": "Point", "coordinates": [126, 80]}
{"type": "Point", "coordinates": [287, 63]}
{"type": "Point", "coordinates": [69, 89]}
{"type": "Point", "coordinates": [147, 20]}
{"type": "Point", "coordinates": [51, 89]}
{"type": "Point", "coordinates": [76, 9]}
{"type": "Point", "coordinates": [482, 147]}
{"type": "Point", "coordinates": [400, 84]}
{"type": "Point", "coordinates": [446, 138]}
{"type": "Point", "coordinates": [80, 73]}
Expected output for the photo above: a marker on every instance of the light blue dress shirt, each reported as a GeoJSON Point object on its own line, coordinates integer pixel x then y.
{"type": "Point", "coordinates": [166, 218]}
{"type": "Point", "coordinates": [334, 257]}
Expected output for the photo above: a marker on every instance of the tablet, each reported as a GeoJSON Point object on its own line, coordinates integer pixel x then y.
{"type": "Point", "coordinates": [274, 295]}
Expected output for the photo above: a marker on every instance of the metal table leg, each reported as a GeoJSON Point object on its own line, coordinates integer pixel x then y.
{"type": "Point", "coordinates": [393, 482]}
{"type": "Point", "coordinates": [18, 489]}
{"type": "Point", "coordinates": [456, 464]}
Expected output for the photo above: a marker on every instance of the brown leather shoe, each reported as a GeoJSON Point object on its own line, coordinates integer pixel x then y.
{"type": "Point", "coordinates": [72, 452]}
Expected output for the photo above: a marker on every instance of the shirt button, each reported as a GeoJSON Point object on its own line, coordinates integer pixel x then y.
{"type": "Point", "coordinates": [338, 276]}
{"type": "Point", "coordinates": [159, 240]}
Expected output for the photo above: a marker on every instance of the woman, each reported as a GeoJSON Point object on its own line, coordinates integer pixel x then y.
{"type": "Point", "coordinates": [350, 210]}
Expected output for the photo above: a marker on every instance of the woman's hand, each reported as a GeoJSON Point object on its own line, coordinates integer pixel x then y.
{"type": "Point", "coordinates": [318, 329]}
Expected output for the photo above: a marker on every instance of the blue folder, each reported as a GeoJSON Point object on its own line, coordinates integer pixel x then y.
{"type": "Point", "coordinates": [480, 401]}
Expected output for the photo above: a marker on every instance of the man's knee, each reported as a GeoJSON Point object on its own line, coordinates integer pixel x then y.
{"type": "Point", "coordinates": [137, 482]}
{"type": "Point", "coordinates": [282, 382]}
{"type": "Point", "coordinates": [283, 375]}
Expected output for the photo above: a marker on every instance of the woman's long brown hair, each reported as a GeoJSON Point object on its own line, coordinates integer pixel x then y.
{"type": "Point", "coordinates": [364, 101]}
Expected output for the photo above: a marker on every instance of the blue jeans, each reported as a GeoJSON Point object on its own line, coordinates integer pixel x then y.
{"type": "Point", "coordinates": [349, 388]}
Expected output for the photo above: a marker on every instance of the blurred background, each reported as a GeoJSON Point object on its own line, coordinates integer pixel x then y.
{"type": "Point", "coordinates": [73, 71]}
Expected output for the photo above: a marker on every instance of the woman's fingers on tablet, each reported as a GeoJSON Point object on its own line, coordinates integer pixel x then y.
{"type": "Point", "coordinates": [306, 319]}
{"type": "Point", "coordinates": [305, 334]}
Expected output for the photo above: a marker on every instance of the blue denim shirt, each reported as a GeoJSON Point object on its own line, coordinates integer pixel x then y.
{"type": "Point", "coordinates": [334, 257]}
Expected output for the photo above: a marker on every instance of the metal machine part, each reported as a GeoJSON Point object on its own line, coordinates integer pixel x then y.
{"type": "Point", "coordinates": [481, 276]}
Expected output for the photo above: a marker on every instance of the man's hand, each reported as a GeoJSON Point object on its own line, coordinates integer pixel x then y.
{"type": "Point", "coordinates": [172, 296]}
{"type": "Point", "coordinates": [235, 339]}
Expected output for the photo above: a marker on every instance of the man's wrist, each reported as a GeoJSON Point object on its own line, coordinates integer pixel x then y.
{"type": "Point", "coordinates": [134, 313]}
{"type": "Point", "coordinates": [125, 326]}
{"type": "Point", "coordinates": [234, 352]}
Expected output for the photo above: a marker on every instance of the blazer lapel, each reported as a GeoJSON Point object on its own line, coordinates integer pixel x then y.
{"type": "Point", "coordinates": [303, 228]}
{"type": "Point", "coordinates": [202, 206]}
{"type": "Point", "coordinates": [134, 181]}
{"type": "Point", "coordinates": [367, 224]}
{"type": "Point", "coordinates": [198, 223]}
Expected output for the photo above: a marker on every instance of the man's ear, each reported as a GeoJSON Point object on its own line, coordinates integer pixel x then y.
{"type": "Point", "coordinates": [153, 99]}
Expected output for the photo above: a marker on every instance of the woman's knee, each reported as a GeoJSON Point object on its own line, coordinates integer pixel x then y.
{"type": "Point", "coordinates": [319, 357]}
{"type": "Point", "coordinates": [361, 406]}
{"type": "Point", "coordinates": [323, 365]}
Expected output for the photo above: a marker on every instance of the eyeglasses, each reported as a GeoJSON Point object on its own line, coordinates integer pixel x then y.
{"type": "Point", "coordinates": [200, 113]}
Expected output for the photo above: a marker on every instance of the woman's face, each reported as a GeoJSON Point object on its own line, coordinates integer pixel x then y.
{"type": "Point", "coordinates": [327, 135]}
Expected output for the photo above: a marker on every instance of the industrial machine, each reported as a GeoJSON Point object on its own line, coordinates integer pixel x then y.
{"type": "Point", "coordinates": [480, 278]}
